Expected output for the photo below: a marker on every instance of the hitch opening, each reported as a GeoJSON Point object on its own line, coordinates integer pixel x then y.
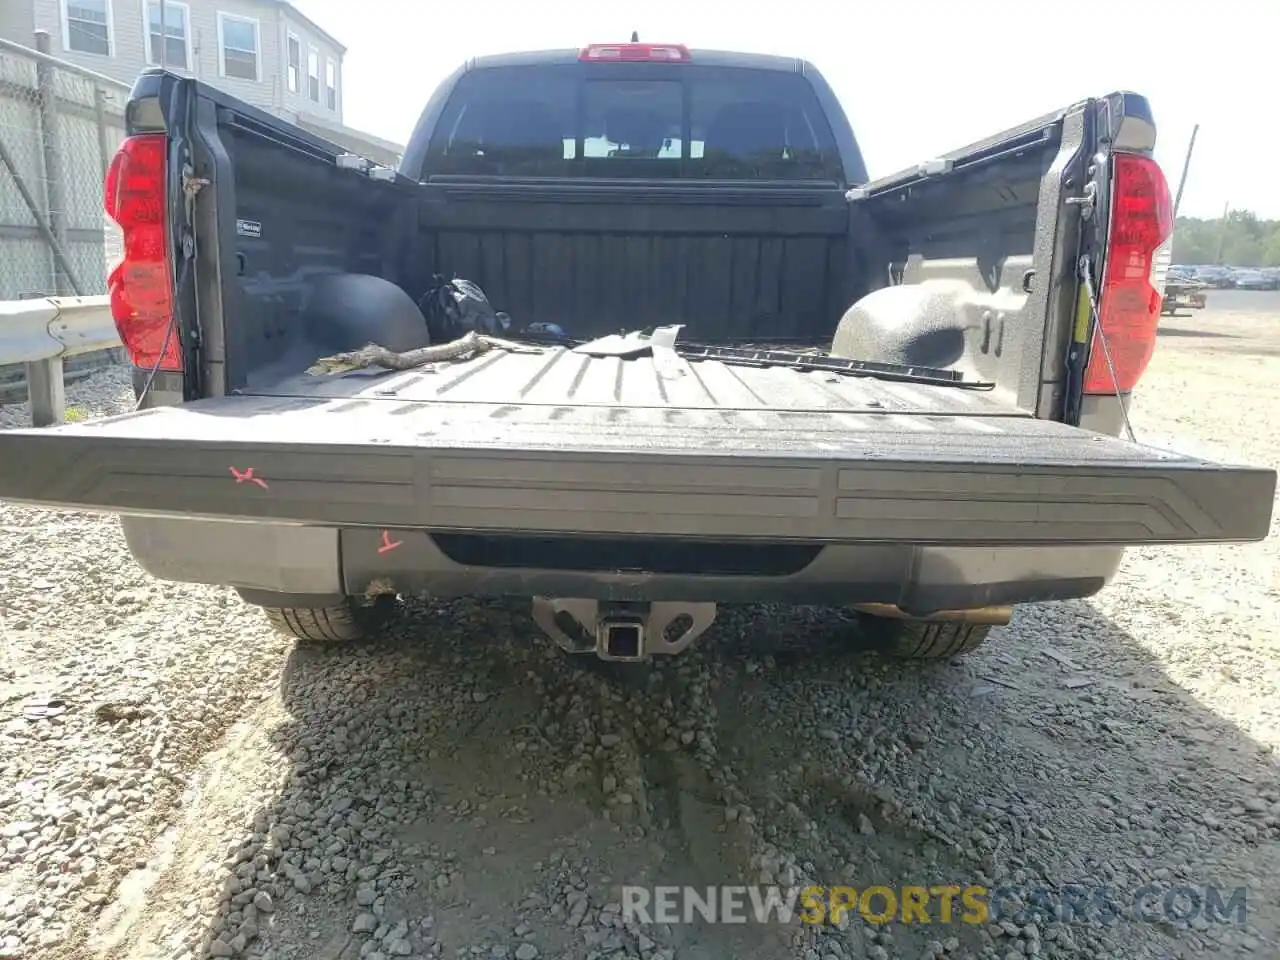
{"type": "Point", "coordinates": [621, 639]}
{"type": "Point", "coordinates": [625, 631]}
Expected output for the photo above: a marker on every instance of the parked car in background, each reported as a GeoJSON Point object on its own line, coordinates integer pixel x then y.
{"type": "Point", "coordinates": [1220, 278]}
{"type": "Point", "coordinates": [1253, 280]}
{"type": "Point", "coordinates": [1273, 276]}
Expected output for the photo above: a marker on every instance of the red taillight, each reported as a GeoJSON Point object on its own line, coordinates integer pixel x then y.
{"type": "Point", "coordinates": [141, 283]}
{"type": "Point", "coordinates": [635, 52]}
{"type": "Point", "coordinates": [1133, 281]}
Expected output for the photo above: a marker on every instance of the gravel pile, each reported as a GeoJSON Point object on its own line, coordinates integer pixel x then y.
{"type": "Point", "coordinates": [111, 686]}
{"type": "Point", "coordinates": [189, 786]}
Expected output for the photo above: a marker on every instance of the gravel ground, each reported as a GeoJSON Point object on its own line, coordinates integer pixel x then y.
{"type": "Point", "coordinates": [198, 787]}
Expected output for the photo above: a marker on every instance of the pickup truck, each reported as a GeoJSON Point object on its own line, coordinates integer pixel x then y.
{"type": "Point", "coordinates": [752, 373]}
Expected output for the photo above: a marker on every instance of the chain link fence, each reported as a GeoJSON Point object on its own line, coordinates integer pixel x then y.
{"type": "Point", "coordinates": [60, 125]}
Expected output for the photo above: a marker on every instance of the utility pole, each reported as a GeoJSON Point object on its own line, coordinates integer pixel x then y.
{"type": "Point", "coordinates": [1222, 232]}
{"type": "Point", "coordinates": [1186, 165]}
{"type": "Point", "coordinates": [164, 38]}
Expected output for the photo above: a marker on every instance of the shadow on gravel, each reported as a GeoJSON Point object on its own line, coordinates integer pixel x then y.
{"type": "Point", "coordinates": [462, 786]}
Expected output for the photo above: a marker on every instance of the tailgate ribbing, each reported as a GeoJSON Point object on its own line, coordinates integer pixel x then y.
{"type": "Point", "coordinates": [395, 463]}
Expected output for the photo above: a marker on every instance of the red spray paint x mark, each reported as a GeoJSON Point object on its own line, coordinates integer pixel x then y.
{"type": "Point", "coordinates": [247, 474]}
{"type": "Point", "coordinates": [388, 544]}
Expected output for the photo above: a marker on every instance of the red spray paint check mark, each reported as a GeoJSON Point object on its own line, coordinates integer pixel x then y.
{"type": "Point", "coordinates": [246, 475]}
{"type": "Point", "coordinates": [388, 544]}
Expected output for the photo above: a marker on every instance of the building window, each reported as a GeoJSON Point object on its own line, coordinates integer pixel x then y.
{"type": "Point", "coordinates": [313, 74]}
{"type": "Point", "coordinates": [87, 26]}
{"type": "Point", "coordinates": [238, 38]}
{"type": "Point", "coordinates": [294, 67]}
{"type": "Point", "coordinates": [175, 45]}
{"type": "Point", "coordinates": [331, 84]}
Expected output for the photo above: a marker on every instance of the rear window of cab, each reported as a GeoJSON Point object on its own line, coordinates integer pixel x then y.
{"type": "Point", "coordinates": [563, 120]}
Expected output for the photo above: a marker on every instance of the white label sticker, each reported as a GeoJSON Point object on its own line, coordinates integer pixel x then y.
{"type": "Point", "coordinates": [249, 228]}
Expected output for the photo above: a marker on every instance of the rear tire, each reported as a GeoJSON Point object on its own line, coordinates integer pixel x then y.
{"type": "Point", "coordinates": [924, 639]}
{"type": "Point", "coordinates": [325, 626]}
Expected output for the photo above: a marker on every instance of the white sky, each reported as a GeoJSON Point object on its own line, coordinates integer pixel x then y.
{"type": "Point", "coordinates": [917, 77]}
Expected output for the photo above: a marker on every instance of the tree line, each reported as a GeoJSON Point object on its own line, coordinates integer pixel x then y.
{"type": "Point", "coordinates": [1241, 240]}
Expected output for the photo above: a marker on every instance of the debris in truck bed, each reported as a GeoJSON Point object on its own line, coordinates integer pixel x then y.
{"type": "Point", "coordinates": [661, 344]}
{"type": "Point", "coordinates": [457, 306]}
{"type": "Point", "coordinates": [373, 355]}
{"type": "Point", "coordinates": [634, 343]}
{"type": "Point", "coordinates": [826, 363]}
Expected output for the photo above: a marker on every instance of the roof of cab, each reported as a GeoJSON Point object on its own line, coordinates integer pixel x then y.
{"type": "Point", "coordinates": [699, 57]}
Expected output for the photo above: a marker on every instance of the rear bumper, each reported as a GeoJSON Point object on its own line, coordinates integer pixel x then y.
{"type": "Point", "coordinates": [289, 565]}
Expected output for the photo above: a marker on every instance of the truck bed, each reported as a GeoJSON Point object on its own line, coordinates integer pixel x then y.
{"type": "Point", "coordinates": [563, 443]}
{"type": "Point", "coordinates": [633, 388]}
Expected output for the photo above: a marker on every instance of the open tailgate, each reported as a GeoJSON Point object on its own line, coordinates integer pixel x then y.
{"type": "Point", "coordinates": [800, 475]}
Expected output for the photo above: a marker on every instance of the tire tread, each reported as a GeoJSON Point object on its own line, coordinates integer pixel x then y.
{"type": "Point", "coordinates": [927, 639]}
{"type": "Point", "coordinates": [319, 625]}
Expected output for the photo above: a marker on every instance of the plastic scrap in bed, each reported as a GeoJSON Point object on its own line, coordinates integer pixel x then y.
{"type": "Point", "coordinates": [246, 475]}
{"type": "Point", "coordinates": [661, 345]}
{"type": "Point", "coordinates": [634, 343]}
{"type": "Point", "coordinates": [388, 544]}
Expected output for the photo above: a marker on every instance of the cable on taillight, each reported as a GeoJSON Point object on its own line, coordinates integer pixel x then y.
{"type": "Point", "coordinates": [141, 282]}
{"type": "Point", "coordinates": [1137, 259]}
{"type": "Point", "coordinates": [635, 52]}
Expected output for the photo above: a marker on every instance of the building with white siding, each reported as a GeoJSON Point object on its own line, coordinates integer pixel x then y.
{"type": "Point", "coordinates": [266, 52]}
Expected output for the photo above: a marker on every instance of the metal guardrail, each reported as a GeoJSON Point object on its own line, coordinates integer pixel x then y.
{"type": "Point", "coordinates": [41, 332]}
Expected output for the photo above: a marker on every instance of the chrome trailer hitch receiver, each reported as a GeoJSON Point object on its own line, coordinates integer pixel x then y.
{"type": "Point", "coordinates": [619, 630]}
